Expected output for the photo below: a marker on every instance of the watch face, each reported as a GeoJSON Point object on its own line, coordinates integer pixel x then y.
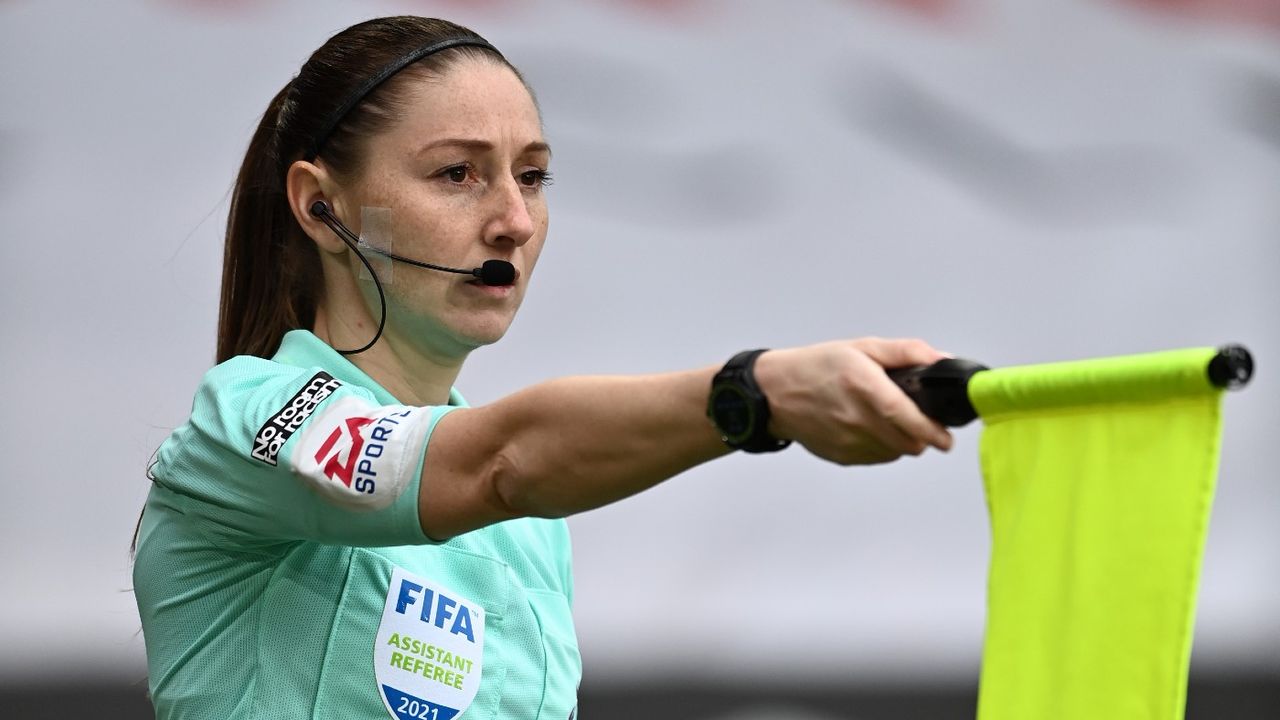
{"type": "Point", "coordinates": [733, 412]}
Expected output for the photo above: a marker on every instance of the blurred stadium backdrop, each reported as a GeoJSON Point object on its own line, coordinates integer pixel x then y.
{"type": "Point", "coordinates": [1014, 180]}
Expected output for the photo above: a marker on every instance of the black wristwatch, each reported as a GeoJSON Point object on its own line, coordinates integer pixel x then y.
{"type": "Point", "coordinates": [739, 409]}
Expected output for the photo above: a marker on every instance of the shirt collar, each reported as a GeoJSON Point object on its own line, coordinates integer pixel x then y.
{"type": "Point", "coordinates": [301, 348]}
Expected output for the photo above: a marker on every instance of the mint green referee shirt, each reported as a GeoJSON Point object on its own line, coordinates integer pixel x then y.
{"type": "Point", "coordinates": [281, 570]}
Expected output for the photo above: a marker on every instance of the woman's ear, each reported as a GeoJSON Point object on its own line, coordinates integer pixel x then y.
{"type": "Point", "coordinates": [304, 184]}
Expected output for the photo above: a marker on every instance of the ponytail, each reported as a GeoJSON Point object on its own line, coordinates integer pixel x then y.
{"type": "Point", "coordinates": [270, 268]}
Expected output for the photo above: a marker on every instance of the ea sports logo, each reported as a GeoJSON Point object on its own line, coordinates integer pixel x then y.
{"type": "Point", "coordinates": [335, 467]}
{"type": "Point", "coordinates": [361, 455]}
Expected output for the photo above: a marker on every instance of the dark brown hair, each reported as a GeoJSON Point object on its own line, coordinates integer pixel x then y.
{"type": "Point", "coordinates": [271, 275]}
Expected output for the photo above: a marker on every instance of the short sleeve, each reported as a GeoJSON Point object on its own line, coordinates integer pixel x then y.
{"type": "Point", "coordinates": [275, 453]}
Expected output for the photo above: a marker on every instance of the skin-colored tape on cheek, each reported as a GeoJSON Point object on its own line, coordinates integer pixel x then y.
{"type": "Point", "coordinates": [376, 235]}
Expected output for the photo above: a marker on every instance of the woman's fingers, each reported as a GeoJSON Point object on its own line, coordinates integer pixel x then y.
{"type": "Point", "coordinates": [898, 353]}
{"type": "Point", "coordinates": [897, 407]}
{"type": "Point", "coordinates": [919, 430]}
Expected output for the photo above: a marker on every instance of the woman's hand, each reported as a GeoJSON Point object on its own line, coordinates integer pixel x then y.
{"type": "Point", "coordinates": [835, 399]}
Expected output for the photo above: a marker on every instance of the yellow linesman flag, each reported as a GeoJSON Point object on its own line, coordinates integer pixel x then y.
{"type": "Point", "coordinates": [1099, 477]}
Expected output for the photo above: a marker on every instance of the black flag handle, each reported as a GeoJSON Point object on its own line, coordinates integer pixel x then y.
{"type": "Point", "coordinates": [941, 390]}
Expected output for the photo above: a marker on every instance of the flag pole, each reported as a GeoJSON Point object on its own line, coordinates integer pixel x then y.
{"type": "Point", "coordinates": [941, 390]}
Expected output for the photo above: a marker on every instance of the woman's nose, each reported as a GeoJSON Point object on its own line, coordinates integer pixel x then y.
{"type": "Point", "coordinates": [511, 221]}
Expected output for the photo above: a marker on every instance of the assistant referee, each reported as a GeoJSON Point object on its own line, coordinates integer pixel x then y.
{"type": "Point", "coordinates": [334, 533]}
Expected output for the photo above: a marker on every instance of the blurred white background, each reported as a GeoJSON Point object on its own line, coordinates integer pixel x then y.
{"type": "Point", "coordinates": [1015, 181]}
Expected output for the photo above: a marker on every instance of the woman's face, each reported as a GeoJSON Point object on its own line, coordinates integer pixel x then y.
{"type": "Point", "coordinates": [462, 173]}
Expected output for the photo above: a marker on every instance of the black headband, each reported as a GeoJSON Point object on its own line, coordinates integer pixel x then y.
{"type": "Point", "coordinates": [382, 75]}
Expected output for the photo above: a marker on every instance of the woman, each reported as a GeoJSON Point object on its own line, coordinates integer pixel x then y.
{"type": "Point", "coordinates": [334, 533]}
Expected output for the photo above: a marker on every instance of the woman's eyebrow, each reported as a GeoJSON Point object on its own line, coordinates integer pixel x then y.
{"type": "Point", "coordinates": [481, 145]}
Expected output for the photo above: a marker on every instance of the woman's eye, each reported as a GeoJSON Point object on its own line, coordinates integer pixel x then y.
{"type": "Point", "coordinates": [457, 174]}
{"type": "Point", "coordinates": [535, 178]}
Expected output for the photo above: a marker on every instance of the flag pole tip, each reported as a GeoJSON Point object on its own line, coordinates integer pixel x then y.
{"type": "Point", "coordinates": [1231, 368]}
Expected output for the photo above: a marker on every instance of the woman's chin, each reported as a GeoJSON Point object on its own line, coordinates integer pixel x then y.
{"type": "Point", "coordinates": [481, 331]}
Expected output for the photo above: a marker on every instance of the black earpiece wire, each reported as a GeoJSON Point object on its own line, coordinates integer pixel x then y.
{"type": "Point", "coordinates": [320, 209]}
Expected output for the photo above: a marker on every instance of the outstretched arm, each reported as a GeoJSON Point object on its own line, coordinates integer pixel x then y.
{"type": "Point", "coordinates": [578, 443]}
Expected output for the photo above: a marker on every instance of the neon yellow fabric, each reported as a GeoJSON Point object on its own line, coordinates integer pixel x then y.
{"type": "Point", "coordinates": [1099, 477]}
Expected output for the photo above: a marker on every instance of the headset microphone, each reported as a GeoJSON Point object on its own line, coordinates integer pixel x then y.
{"type": "Point", "coordinates": [492, 272]}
